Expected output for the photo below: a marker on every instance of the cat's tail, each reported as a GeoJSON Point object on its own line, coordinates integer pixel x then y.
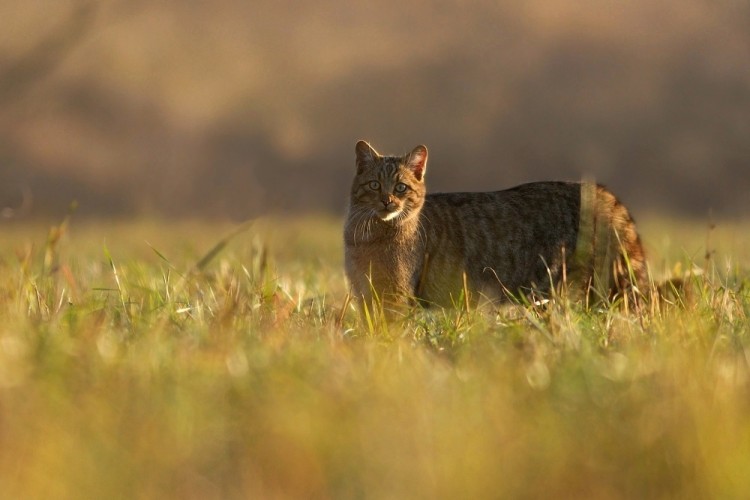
{"type": "Point", "coordinates": [609, 245]}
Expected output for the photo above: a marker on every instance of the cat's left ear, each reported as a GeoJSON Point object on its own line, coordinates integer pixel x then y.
{"type": "Point", "coordinates": [366, 155]}
{"type": "Point", "coordinates": [416, 161]}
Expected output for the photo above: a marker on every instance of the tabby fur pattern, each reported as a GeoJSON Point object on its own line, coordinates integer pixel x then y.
{"type": "Point", "coordinates": [402, 244]}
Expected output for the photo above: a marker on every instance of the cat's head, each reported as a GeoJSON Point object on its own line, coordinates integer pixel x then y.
{"type": "Point", "coordinates": [390, 188]}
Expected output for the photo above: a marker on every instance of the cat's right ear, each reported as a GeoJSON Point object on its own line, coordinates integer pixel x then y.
{"type": "Point", "coordinates": [417, 161]}
{"type": "Point", "coordinates": [366, 155]}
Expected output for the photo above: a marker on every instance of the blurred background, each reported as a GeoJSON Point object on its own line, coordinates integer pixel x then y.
{"type": "Point", "coordinates": [232, 109]}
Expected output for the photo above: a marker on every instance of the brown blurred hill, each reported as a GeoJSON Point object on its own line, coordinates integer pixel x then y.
{"type": "Point", "coordinates": [231, 108]}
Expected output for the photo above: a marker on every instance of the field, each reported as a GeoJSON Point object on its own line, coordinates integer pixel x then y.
{"type": "Point", "coordinates": [161, 359]}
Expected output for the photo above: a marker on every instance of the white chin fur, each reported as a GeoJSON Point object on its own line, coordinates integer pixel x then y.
{"type": "Point", "coordinates": [392, 215]}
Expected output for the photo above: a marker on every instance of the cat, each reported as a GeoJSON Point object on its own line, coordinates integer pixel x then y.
{"type": "Point", "coordinates": [403, 245]}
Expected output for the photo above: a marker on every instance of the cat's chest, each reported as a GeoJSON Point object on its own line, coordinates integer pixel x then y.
{"type": "Point", "coordinates": [384, 253]}
{"type": "Point", "coordinates": [384, 266]}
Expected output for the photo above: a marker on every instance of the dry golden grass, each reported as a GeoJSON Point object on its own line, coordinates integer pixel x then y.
{"type": "Point", "coordinates": [143, 370]}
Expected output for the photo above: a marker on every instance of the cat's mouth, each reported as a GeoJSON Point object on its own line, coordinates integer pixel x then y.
{"type": "Point", "coordinates": [387, 215]}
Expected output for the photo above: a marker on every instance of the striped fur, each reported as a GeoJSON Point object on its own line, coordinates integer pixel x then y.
{"type": "Point", "coordinates": [403, 244]}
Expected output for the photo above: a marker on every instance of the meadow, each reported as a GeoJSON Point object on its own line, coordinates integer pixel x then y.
{"type": "Point", "coordinates": [193, 359]}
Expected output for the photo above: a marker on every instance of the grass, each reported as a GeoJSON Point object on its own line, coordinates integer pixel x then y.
{"type": "Point", "coordinates": [137, 363]}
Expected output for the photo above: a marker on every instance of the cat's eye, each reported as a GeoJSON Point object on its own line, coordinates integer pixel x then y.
{"type": "Point", "coordinates": [374, 185]}
{"type": "Point", "coordinates": [400, 187]}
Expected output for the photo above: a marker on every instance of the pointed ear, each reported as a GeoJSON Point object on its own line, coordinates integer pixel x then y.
{"type": "Point", "coordinates": [366, 155]}
{"type": "Point", "coordinates": [417, 161]}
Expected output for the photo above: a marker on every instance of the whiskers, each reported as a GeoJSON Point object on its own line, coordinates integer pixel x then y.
{"type": "Point", "coordinates": [360, 222]}
{"type": "Point", "coordinates": [421, 230]}
{"type": "Point", "coordinates": [365, 224]}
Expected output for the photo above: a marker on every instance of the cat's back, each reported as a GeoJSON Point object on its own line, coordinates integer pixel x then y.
{"type": "Point", "coordinates": [550, 207]}
{"type": "Point", "coordinates": [501, 235]}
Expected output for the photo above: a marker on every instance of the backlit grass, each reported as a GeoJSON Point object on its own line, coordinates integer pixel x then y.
{"type": "Point", "coordinates": [137, 363]}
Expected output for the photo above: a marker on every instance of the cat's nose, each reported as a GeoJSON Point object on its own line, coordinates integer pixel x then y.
{"type": "Point", "coordinates": [387, 201]}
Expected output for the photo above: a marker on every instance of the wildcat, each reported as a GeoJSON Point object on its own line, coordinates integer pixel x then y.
{"type": "Point", "coordinates": [403, 244]}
